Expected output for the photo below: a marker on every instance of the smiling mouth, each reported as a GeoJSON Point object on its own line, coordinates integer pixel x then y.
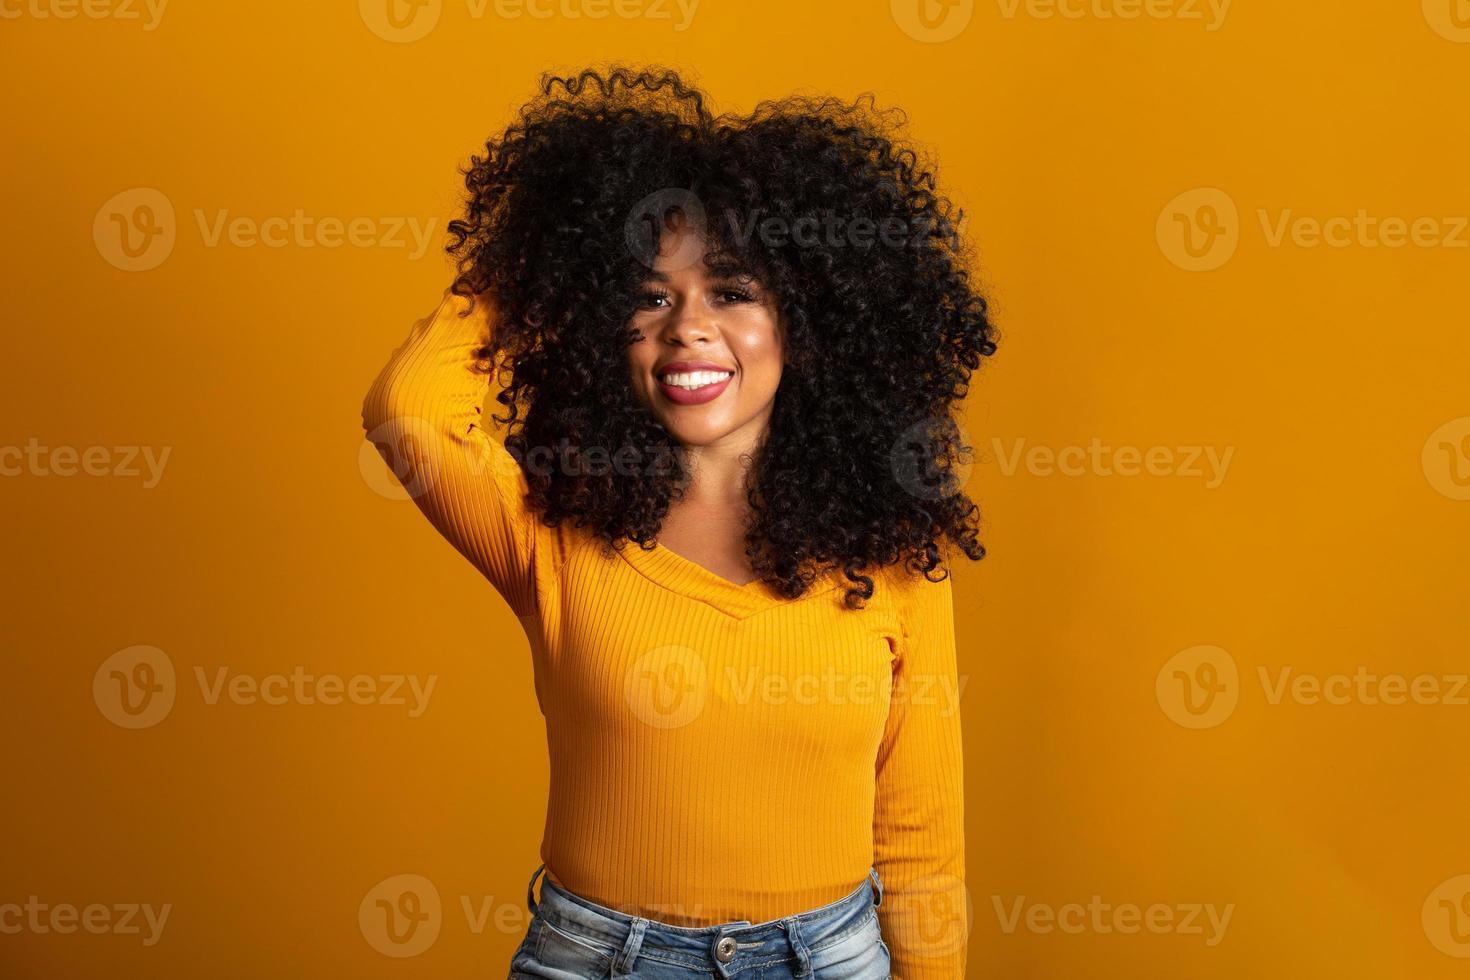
{"type": "Point", "coordinates": [693, 387]}
{"type": "Point", "coordinates": [694, 380]}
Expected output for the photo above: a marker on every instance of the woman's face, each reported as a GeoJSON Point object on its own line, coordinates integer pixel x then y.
{"type": "Point", "coordinates": [708, 358]}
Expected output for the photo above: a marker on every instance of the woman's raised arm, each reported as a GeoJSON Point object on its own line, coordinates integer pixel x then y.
{"type": "Point", "coordinates": [424, 413]}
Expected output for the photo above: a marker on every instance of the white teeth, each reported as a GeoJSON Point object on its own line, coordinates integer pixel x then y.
{"type": "Point", "coordinates": [692, 380]}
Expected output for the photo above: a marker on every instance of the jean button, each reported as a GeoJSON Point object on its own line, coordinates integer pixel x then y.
{"type": "Point", "coordinates": [725, 949]}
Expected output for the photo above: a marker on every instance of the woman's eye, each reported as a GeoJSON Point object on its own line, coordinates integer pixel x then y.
{"type": "Point", "coordinates": [652, 301]}
{"type": "Point", "coordinates": [734, 296]}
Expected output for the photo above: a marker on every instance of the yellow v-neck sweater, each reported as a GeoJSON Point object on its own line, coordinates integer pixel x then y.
{"type": "Point", "coordinates": [718, 753]}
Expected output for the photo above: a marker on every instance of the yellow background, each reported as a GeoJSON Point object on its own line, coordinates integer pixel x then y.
{"type": "Point", "coordinates": [1335, 541]}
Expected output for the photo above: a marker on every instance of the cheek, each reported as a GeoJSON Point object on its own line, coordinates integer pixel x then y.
{"type": "Point", "coordinates": [760, 359]}
{"type": "Point", "coordinates": [636, 353]}
{"type": "Point", "coordinates": [639, 359]}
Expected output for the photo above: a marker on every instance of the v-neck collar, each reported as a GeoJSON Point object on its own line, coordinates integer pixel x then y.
{"type": "Point", "coordinates": [689, 578]}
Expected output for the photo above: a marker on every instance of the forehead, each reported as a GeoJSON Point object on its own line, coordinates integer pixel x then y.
{"type": "Point", "coordinates": [686, 241]}
{"type": "Point", "coordinates": [690, 255]}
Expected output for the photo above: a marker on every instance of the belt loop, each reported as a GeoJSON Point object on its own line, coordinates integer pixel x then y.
{"type": "Point", "coordinates": [531, 889]}
{"type": "Point", "coordinates": [623, 963]}
{"type": "Point", "coordinates": [798, 946]}
{"type": "Point", "coordinates": [877, 887]}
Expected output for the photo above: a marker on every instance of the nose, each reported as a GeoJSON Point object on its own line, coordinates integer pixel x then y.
{"type": "Point", "coordinates": [691, 324]}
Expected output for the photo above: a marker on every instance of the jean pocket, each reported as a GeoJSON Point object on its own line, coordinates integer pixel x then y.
{"type": "Point", "coordinates": [860, 955]}
{"type": "Point", "coordinates": [566, 952]}
{"type": "Point", "coordinates": [522, 955]}
{"type": "Point", "coordinates": [887, 960]}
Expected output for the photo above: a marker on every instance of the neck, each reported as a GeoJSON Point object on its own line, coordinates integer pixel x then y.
{"type": "Point", "coordinates": [718, 470]}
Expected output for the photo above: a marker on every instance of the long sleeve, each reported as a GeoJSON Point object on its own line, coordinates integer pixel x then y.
{"type": "Point", "coordinates": [424, 415]}
{"type": "Point", "coordinates": [918, 823]}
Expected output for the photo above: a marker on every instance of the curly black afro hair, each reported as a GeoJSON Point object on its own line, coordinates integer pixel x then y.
{"type": "Point", "coordinates": [883, 325]}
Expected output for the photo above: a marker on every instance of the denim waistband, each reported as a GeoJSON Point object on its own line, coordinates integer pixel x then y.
{"type": "Point", "coordinates": [726, 949]}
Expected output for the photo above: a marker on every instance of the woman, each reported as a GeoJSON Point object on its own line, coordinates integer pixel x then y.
{"type": "Point", "coordinates": [728, 349]}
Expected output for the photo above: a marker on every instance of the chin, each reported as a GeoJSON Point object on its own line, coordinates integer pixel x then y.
{"type": "Point", "coordinates": [692, 436]}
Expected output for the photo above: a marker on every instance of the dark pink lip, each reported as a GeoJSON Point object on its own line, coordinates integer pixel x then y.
{"type": "Point", "coordinates": [698, 396]}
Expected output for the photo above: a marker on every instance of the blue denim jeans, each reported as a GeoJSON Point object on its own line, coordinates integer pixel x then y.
{"type": "Point", "coordinates": [571, 938]}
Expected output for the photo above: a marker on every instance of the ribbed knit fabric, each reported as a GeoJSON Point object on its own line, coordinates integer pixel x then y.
{"type": "Point", "coordinates": [718, 753]}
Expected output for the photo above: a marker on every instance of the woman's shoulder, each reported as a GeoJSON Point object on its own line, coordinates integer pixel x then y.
{"type": "Point", "coordinates": [901, 584]}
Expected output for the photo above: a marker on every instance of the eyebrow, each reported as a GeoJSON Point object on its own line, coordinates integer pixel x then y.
{"type": "Point", "coordinates": [726, 263]}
